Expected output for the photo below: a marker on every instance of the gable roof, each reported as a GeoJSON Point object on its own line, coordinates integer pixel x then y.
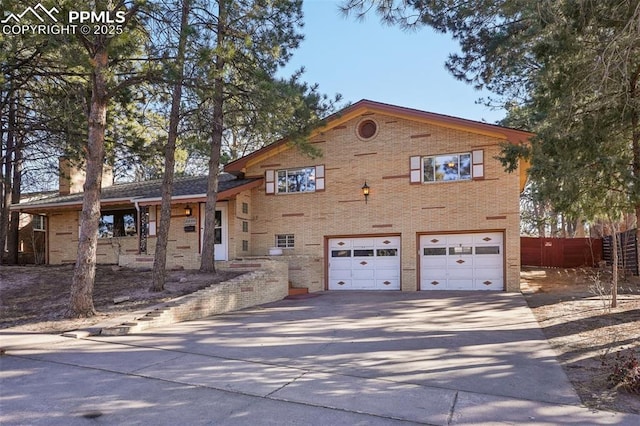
{"type": "Point", "coordinates": [146, 192]}
{"type": "Point", "coordinates": [365, 107]}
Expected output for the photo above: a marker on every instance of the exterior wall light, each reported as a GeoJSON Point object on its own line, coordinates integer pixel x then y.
{"type": "Point", "coordinates": [365, 191]}
{"type": "Point", "coordinates": [187, 211]}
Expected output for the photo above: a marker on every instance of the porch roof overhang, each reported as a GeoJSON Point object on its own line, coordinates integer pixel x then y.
{"type": "Point", "coordinates": [192, 189]}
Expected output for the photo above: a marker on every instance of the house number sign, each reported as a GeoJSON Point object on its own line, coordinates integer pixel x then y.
{"type": "Point", "coordinates": [190, 224]}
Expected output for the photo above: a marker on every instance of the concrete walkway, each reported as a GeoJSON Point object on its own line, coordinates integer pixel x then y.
{"type": "Point", "coordinates": [342, 358]}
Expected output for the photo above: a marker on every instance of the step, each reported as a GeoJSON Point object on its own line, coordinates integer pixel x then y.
{"type": "Point", "coordinates": [296, 291]}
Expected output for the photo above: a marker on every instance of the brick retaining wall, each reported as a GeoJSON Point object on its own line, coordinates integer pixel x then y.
{"type": "Point", "coordinates": [265, 281]}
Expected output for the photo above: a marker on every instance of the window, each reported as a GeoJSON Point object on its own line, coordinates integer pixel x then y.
{"type": "Point", "coordinates": [367, 129]}
{"type": "Point", "coordinates": [245, 226]}
{"type": "Point", "coordinates": [488, 250]}
{"type": "Point", "coordinates": [37, 222]}
{"type": "Point", "coordinates": [340, 253]}
{"type": "Point", "coordinates": [218, 228]}
{"type": "Point", "coordinates": [386, 252]}
{"type": "Point", "coordinates": [245, 208]}
{"type": "Point", "coordinates": [245, 245]}
{"type": "Point", "coordinates": [435, 251]}
{"type": "Point", "coordinates": [291, 181]}
{"type": "Point", "coordinates": [117, 223]}
{"type": "Point", "coordinates": [297, 180]}
{"type": "Point", "coordinates": [460, 250]}
{"type": "Point", "coordinates": [285, 241]}
{"type": "Point", "coordinates": [443, 168]}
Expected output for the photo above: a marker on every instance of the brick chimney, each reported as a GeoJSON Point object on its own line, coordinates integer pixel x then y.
{"type": "Point", "coordinates": [72, 178]}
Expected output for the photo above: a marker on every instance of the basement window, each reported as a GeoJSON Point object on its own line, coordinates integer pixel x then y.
{"type": "Point", "coordinates": [285, 241]}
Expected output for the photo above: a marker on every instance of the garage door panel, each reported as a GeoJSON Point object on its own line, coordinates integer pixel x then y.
{"type": "Point", "coordinates": [487, 261]}
{"type": "Point", "coordinates": [434, 283]}
{"type": "Point", "coordinates": [433, 262]}
{"type": "Point", "coordinates": [341, 274]}
{"type": "Point", "coordinates": [388, 284]}
{"type": "Point", "coordinates": [459, 262]}
{"type": "Point", "coordinates": [488, 274]}
{"type": "Point", "coordinates": [435, 280]}
{"type": "Point", "coordinates": [340, 284]}
{"type": "Point", "coordinates": [363, 274]}
{"type": "Point", "coordinates": [488, 284]}
{"type": "Point", "coordinates": [387, 274]}
{"type": "Point", "coordinates": [459, 284]}
{"type": "Point", "coordinates": [386, 242]}
{"type": "Point", "coordinates": [362, 284]}
{"type": "Point", "coordinates": [461, 274]}
{"type": "Point", "coordinates": [343, 243]}
{"type": "Point", "coordinates": [362, 243]}
{"type": "Point", "coordinates": [487, 238]}
{"type": "Point", "coordinates": [386, 262]}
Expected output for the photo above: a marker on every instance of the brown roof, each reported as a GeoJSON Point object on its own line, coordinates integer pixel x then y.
{"type": "Point", "coordinates": [146, 192]}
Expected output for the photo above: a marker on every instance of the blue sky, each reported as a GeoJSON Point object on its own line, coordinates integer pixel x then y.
{"type": "Point", "coordinates": [370, 60]}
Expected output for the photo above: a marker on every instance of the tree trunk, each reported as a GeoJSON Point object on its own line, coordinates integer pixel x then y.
{"type": "Point", "coordinates": [3, 207]}
{"type": "Point", "coordinates": [13, 237]}
{"type": "Point", "coordinates": [614, 270]}
{"type": "Point", "coordinates": [635, 146]}
{"type": "Point", "coordinates": [160, 258]}
{"type": "Point", "coordinates": [207, 262]}
{"type": "Point", "coordinates": [7, 190]}
{"type": "Point", "coordinates": [81, 302]}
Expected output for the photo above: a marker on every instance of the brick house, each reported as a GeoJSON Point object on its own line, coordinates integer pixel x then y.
{"type": "Point", "coordinates": [439, 210]}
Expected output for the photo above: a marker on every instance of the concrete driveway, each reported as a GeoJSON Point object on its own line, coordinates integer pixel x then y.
{"type": "Point", "coordinates": [352, 358]}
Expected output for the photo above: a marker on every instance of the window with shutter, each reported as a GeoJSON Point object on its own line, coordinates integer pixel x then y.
{"type": "Point", "coordinates": [291, 181]}
{"type": "Point", "coordinates": [446, 168]}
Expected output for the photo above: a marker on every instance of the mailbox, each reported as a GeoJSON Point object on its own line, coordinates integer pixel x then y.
{"type": "Point", "coordinates": [190, 224]}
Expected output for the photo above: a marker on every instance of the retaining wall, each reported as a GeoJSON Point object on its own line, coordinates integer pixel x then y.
{"type": "Point", "coordinates": [265, 281]}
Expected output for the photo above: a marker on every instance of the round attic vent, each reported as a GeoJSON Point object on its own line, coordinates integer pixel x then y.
{"type": "Point", "coordinates": [367, 129]}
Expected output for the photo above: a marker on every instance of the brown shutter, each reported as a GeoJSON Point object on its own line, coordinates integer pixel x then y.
{"type": "Point", "coordinates": [270, 181]}
{"type": "Point", "coordinates": [320, 178]}
{"type": "Point", "coordinates": [415, 167]}
{"type": "Point", "coordinates": [477, 160]}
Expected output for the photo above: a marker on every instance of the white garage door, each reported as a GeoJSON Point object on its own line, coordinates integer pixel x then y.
{"type": "Point", "coordinates": [462, 261]}
{"type": "Point", "coordinates": [364, 263]}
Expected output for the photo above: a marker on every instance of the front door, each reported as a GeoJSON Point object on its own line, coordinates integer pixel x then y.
{"type": "Point", "coordinates": [221, 242]}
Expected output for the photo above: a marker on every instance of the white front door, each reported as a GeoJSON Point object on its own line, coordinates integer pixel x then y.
{"type": "Point", "coordinates": [462, 261]}
{"type": "Point", "coordinates": [368, 263]}
{"type": "Point", "coordinates": [221, 243]}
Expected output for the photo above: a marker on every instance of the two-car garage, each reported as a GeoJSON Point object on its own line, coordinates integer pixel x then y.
{"type": "Point", "coordinates": [468, 261]}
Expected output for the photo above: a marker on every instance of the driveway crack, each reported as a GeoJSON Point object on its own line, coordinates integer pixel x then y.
{"type": "Point", "coordinates": [287, 384]}
{"type": "Point", "coordinates": [452, 409]}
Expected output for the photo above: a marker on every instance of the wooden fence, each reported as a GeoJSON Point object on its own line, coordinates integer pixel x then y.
{"type": "Point", "coordinates": [560, 252]}
{"type": "Point", "coordinates": [627, 251]}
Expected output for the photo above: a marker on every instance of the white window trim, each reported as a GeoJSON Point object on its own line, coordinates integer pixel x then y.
{"type": "Point", "coordinates": [271, 180]}
{"type": "Point", "coordinates": [42, 222]}
{"type": "Point", "coordinates": [289, 241]}
{"type": "Point", "coordinates": [416, 167]}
